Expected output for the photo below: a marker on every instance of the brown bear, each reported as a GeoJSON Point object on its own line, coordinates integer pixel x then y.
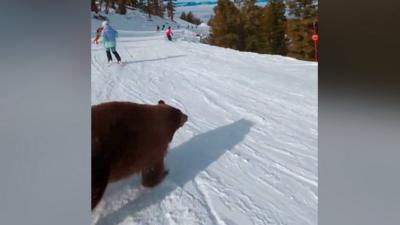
{"type": "Point", "coordinates": [128, 138]}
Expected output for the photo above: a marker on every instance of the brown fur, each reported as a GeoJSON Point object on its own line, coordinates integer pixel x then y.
{"type": "Point", "coordinates": [129, 138]}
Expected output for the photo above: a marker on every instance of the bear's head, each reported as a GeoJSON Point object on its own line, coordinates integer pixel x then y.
{"type": "Point", "coordinates": [176, 116]}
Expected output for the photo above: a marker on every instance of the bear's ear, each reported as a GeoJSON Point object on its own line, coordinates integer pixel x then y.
{"type": "Point", "coordinates": [161, 102]}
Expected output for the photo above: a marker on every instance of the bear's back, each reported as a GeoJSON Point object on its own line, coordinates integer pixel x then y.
{"type": "Point", "coordinates": [128, 135]}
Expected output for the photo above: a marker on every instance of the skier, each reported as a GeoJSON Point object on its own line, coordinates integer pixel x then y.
{"type": "Point", "coordinates": [168, 32]}
{"type": "Point", "coordinates": [98, 33]}
{"type": "Point", "coordinates": [158, 28]}
{"type": "Point", "coordinates": [163, 27]}
{"type": "Point", "coordinates": [109, 36]}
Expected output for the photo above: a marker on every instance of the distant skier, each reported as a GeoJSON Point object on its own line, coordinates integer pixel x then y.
{"type": "Point", "coordinates": [163, 27]}
{"type": "Point", "coordinates": [98, 34]}
{"type": "Point", "coordinates": [168, 32]}
{"type": "Point", "coordinates": [108, 38]}
{"type": "Point", "coordinates": [158, 28]}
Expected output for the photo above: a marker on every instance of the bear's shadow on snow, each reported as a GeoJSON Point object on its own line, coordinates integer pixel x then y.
{"type": "Point", "coordinates": [184, 162]}
{"type": "Point", "coordinates": [154, 60]}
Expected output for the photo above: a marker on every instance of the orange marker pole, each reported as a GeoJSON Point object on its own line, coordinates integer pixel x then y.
{"type": "Point", "coordinates": [316, 51]}
{"type": "Point", "coordinates": [315, 39]}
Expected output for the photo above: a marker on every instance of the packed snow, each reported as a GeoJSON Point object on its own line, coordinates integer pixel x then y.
{"type": "Point", "coordinates": [248, 153]}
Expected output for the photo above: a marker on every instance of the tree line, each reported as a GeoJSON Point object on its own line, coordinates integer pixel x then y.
{"type": "Point", "coordinates": [280, 27]}
{"type": "Point", "coordinates": [151, 7]}
{"type": "Point", "coordinates": [189, 17]}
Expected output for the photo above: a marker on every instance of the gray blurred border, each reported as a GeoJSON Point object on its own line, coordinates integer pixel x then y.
{"type": "Point", "coordinates": [359, 113]}
{"type": "Point", "coordinates": [45, 112]}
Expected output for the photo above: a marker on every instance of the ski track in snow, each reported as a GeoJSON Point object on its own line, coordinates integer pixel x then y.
{"type": "Point", "coordinates": [247, 155]}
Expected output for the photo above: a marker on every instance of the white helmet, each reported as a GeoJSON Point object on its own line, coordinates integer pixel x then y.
{"type": "Point", "coordinates": [105, 23]}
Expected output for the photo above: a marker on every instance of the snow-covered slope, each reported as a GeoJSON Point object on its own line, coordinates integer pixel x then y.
{"type": "Point", "coordinates": [247, 155]}
{"type": "Point", "coordinates": [137, 21]}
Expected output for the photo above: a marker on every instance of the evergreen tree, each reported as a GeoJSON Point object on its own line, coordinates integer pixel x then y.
{"type": "Point", "coordinates": [183, 16]}
{"type": "Point", "coordinates": [121, 7]}
{"type": "Point", "coordinates": [149, 8]}
{"type": "Point", "coordinates": [274, 28]}
{"type": "Point", "coordinates": [161, 6]}
{"type": "Point", "coordinates": [171, 9]}
{"type": "Point", "coordinates": [225, 25]}
{"type": "Point", "coordinates": [303, 9]}
{"type": "Point", "coordinates": [250, 27]}
{"type": "Point", "coordinates": [300, 28]}
{"type": "Point", "coordinates": [190, 17]}
{"type": "Point", "coordinates": [156, 7]}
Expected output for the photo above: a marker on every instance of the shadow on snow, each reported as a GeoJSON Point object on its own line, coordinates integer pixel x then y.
{"type": "Point", "coordinates": [153, 60]}
{"type": "Point", "coordinates": [184, 162]}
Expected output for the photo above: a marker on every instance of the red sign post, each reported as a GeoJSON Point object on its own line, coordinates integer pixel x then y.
{"type": "Point", "coordinates": [315, 38]}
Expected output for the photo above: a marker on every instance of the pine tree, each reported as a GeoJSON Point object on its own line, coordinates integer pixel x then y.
{"type": "Point", "coordinates": [225, 25]}
{"type": "Point", "coordinates": [161, 7]}
{"type": "Point", "coordinates": [121, 7]}
{"type": "Point", "coordinates": [250, 26]}
{"type": "Point", "coordinates": [274, 28]}
{"type": "Point", "coordinates": [156, 7]}
{"type": "Point", "coordinates": [190, 17]}
{"type": "Point", "coordinates": [171, 9]}
{"type": "Point", "coordinates": [149, 8]}
{"type": "Point", "coordinates": [183, 16]}
{"type": "Point", "coordinates": [303, 9]}
{"type": "Point", "coordinates": [300, 28]}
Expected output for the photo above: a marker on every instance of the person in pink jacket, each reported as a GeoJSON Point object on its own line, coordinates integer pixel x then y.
{"type": "Point", "coordinates": [168, 32]}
